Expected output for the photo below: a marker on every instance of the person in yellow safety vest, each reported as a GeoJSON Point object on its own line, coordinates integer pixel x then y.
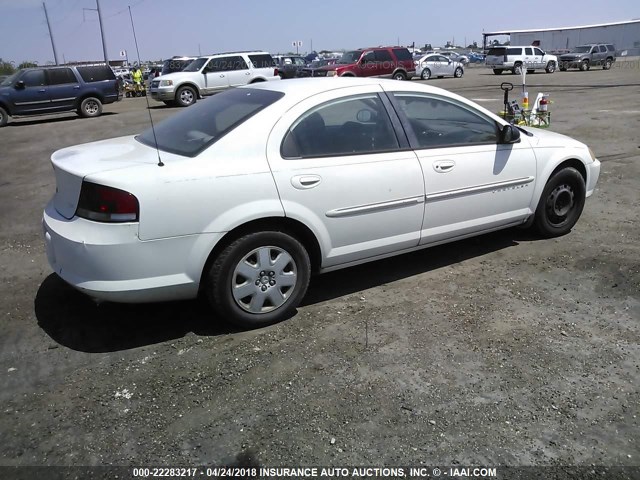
{"type": "Point", "coordinates": [137, 76]}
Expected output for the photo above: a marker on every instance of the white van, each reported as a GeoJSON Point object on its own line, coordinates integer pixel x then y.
{"type": "Point", "coordinates": [515, 59]}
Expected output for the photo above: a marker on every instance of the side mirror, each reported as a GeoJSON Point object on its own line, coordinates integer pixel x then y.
{"type": "Point", "coordinates": [19, 85]}
{"type": "Point", "coordinates": [509, 134]}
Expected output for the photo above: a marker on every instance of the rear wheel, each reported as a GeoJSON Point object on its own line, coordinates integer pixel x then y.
{"type": "Point", "coordinates": [561, 203]}
{"type": "Point", "coordinates": [607, 64]}
{"type": "Point", "coordinates": [186, 96]}
{"type": "Point", "coordinates": [399, 76]}
{"type": "Point", "coordinates": [551, 67]}
{"type": "Point", "coordinates": [497, 71]}
{"type": "Point", "coordinates": [4, 117]}
{"type": "Point", "coordinates": [90, 107]}
{"type": "Point", "coordinates": [458, 73]}
{"type": "Point", "coordinates": [259, 279]}
{"type": "Point", "coordinates": [426, 74]}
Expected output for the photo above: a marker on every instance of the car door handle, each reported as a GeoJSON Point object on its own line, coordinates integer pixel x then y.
{"type": "Point", "coordinates": [77, 87]}
{"type": "Point", "coordinates": [444, 166]}
{"type": "Point", "coordinates": [303, 182]}
{"type": "Point", "coordinates": [222, 75]}
{"type": "Point", "coordinates": [43, 90]}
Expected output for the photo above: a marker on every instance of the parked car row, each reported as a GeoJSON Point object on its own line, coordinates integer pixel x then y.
{"type": "Point", "coordinates": [517, 58]}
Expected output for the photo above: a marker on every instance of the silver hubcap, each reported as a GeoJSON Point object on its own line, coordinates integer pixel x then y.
{"type": "Point", "coordinates": [91, 107]}
{"type": "Point", "coordinates": [264, 279]}
{"type": "Point", "coordinates": [186, 96]}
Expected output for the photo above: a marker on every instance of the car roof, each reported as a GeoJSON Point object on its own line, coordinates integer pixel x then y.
{"type": "Point", "coordinates": [246, 52]}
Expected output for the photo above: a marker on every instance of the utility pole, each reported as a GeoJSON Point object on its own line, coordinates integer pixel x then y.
{"type": "Point", "coordinates": [55, 54]}
{"type": "Point", "coordinates": [104, 43]}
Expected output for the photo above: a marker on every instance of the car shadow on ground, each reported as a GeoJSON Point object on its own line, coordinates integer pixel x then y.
{"type": "Point", "coordinates": [362, 277]}
{"type": "Point", "coordinates": [72, 319]}
{"type": "Point", "coordinates": [22, 121]}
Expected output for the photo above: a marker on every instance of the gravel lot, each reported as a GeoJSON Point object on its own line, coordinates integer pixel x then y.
{"type": "Point", "coordinates": [499, 350]}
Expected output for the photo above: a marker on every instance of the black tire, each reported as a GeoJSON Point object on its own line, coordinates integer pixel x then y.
{"type": "Point", "coordinates": [517, 69]}
{"type": "Point", "coordinates": [561, 203]}
{"type": "Point", "coordinates": [4, 117]}
{"type": "Point", "coordinates": [607, 64]}
{"type": "Point", "coordinates": [222, 277]}
{"type": "Point", "coordinates": [399, 76]}
{"type": "Point", "coordinates": [497, 71]}
{"type": "Point", "coordinates": [584, 66]}
{"type": "Point", "coordinates": [551, 67]}
{"type": "Point", "coordinates": [426, 74]}
{"type": "Point", "coordinates": [90, 107]}
{"type": "Point", "coordinates": [458, 72]}
{"type": "Point", "coordinates": [186, 96]}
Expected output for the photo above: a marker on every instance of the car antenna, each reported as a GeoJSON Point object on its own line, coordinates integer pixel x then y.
{"type": "Point", "coordinates": [155, 139]}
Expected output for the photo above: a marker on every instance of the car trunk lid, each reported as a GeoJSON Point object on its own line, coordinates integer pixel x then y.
{"type": "Point", "coordinates": [71, 165]}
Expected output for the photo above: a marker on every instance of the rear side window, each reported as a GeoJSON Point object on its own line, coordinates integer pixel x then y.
{"type": "Point", "coordinates": [402, 54]}
{"type": "Point", "coordinates": [347, 126]}
{"type": "Point", "coordinates": [498, 52]}
{"type": "Point", "coordinates": [192, 130]}
{"type": "Point", "coordinates": [262, 61]}
{"type": "Point", "coordinates": [61, 76]}
{"type": "Point", "coordinates": [514, 51]}
{"type": "Point", "coordinates": [97, 73]}
{"type": "Point", "coordinates": [610, 48]}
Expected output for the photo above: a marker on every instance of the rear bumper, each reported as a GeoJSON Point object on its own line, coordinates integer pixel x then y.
{"type": "Point", "coordinates": [110, 262]}
{"type": "Point", "coordinates": [593, 173]}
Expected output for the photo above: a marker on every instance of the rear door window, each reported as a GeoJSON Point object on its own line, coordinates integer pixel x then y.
{"type": "Point", "coordinates": [528, 51]}
{"type": "Point", "coordinates": [603, 48]}
{"type": "Point", "coordinates": [61, 76]}
{"type": "Point", "coordinates": [383, 56]}
{"type": "Point", "coordinates": [227, 64]}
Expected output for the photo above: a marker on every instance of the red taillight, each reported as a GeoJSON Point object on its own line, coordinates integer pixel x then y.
{"type": "Point", "coordinates": [107, 204]}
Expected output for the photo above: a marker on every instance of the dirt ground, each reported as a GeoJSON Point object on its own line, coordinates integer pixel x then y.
{"type": "Point", "coordinates": [499, 350]}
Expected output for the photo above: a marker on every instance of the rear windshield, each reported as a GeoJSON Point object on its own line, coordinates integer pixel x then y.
{"type": "Point", "coordinates": [262, 60]}
{"type": "Point", "coordinates": [192, 130]}
{"type": "Point", "coordinates": [96, 73]}
{"type": "Point", "coordinates": [497, 51]}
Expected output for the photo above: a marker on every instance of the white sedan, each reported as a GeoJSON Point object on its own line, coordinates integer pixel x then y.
{"type": "Point", "coordinates": [436, 65]}
{"type": "Point", "coordinates": [245, 195]}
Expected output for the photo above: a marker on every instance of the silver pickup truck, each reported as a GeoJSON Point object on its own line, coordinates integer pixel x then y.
{"type": "Point", "coordinates": [584, 56]}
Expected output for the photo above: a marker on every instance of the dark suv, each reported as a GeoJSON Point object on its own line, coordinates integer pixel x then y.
{"type": "Point", "coordinates": [390, 62]}
{"type": "Point", "coordinates": [34, 91]}
{"type": "Point", "coordinates": [586, 56]}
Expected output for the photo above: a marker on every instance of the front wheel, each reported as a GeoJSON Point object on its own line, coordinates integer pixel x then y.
{"type": "Point", "coordinates": [517, 69]}
{"type": "Point", "coordinates": [4, 117]}
{"type": "Point", "coordinates": [186, 96]}
{"type": "Point", "coordinates": [259, 279]}
{"type": "Point", "coordinates": [90, 107]}
{"type": "Point", "coordinates": [426, 74]}
{"type": "Point", "coordinates": [584, 66]}
{"type": "Point", "coordinates": [458, 73]}
{"type": "Point", "coordinates": [561, 203]}
{"type": "Point", "coordinates": [551, 67]}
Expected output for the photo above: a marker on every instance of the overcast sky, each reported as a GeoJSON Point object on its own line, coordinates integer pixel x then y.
{"type": "Point", "coordinates": [187, 27]}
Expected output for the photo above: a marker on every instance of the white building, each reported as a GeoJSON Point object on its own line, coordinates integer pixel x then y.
{"type": "Point", "coordinates": [624, 35]}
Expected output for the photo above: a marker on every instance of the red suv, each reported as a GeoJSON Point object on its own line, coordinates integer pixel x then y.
{"type": "Point", "coordinates": [391, 62]}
